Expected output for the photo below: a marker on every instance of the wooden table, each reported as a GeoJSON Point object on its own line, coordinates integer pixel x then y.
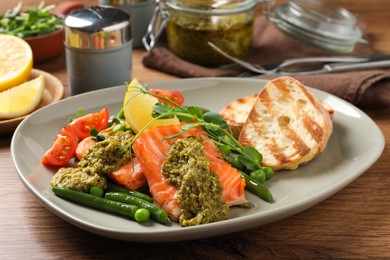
{"type": "Point", "coordinates": [353, 223]}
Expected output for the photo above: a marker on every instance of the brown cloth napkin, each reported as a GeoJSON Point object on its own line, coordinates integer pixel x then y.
{"type": "Point", "coordinates": [368, 88]}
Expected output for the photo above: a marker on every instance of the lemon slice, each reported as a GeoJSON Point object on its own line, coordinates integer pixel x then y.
{"type": "Point", "coordinates": [16, 60]}
{"type": "Point", "coordinates": [138, 108]}
{"type": "Point", "coordinates": [22, 99]}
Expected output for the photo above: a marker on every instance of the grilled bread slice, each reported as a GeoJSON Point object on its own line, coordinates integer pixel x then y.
{"type": "Point", "coordinates": [288, 125]}
{"type": "Point", "coordinates": [236, 112]}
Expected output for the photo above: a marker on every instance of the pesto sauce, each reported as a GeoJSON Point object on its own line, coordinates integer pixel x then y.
{"type": "Point", "coordinates": [103, 157]}
{"type": "Point", "coordinates": [199, 190]}
{"type": "Point", "coordinates": [188, 38]}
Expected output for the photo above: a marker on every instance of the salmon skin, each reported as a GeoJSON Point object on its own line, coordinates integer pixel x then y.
{"type": "Point", "coordinates": [151, 148]}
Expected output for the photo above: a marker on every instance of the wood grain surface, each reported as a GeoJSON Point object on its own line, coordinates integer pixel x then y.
{"type": "Point", "coordinates": [353, 223]}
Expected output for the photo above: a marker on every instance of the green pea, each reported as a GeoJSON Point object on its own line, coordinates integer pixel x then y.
{"type": "Point", "coordinates": [155, 212]}
{"type": "Point", "coordinates": [119, 127]}
{"type": "Point", "coordinates": [258, 175]}
{"type": "Point", "coordinates": [97, 191]}
{"type": "Point", "coordinates": [142, 215]}
{"type": "Point", "coordinates": [269, 172]}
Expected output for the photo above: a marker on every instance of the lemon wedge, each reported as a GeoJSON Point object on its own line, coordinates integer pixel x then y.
{"type": "Point", "coordinates": [16, 61]}
{"type": "Point", "coordinates": [138, 107]}
{"type": "Point", "coordinates": [22, 99]}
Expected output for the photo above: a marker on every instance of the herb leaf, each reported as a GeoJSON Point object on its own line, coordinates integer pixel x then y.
{"type": "Point", "coordinates": [163, 109]}
{"type": "Point", "coordinates": [215, 118]}
{"type": "Point", "coordinates": [196, 111]}
{"type": "Point", "coordinates": [253, 154]}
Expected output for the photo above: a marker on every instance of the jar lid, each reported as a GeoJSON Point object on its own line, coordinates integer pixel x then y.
{"type": "Point", "coordinates": [97, 27]}
{"type": "Point", "coordinates": [214, 7]}
{"type": "Point", "coordinates": [316, 23]}
{"type": "Point", "coordinates": [124, 2]}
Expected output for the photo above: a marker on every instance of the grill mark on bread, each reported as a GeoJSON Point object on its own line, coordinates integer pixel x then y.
{"type": "Point", "coordinates": [280, 157]}
{"type": "Point", "coordinates": [244, 99]}
{"type": "Point", "coordinates": [313, 128]}
{"type": "Point", "coordinates": [314, 102]}
{"type": "Point", "coordinates": [281, 86]}
{"type": "Point", "coordinates": [299, 145]}
{"type": "Point", "coordinates": [264, 96]}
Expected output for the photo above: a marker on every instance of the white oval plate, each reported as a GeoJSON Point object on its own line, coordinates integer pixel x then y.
{"type": "Point", "coordinates": [355, 145]}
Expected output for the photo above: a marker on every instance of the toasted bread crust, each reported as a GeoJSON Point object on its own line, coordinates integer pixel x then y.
{"type": "Point", "coordinates": [287, 124]}
{"type": "Point", "coordinates": [236, 112]}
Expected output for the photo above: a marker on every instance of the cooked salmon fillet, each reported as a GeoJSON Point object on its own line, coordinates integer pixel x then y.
{"type": "Point", "coordinates": [130, 175]}
{"type": "Point", "coordinates": [151, 148]}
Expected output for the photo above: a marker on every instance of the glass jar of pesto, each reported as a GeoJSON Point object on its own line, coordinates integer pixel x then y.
{"type": "Point", "coordinates": [190, 25]}
{"type": "Point", "coordinates": [228, 24]}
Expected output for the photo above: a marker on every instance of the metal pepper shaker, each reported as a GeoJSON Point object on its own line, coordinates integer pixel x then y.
{"type": "Point", "coordinates": [98, 48]}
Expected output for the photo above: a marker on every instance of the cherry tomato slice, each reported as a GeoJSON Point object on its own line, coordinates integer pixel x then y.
{"type": "Point", "coordinates": [175, 96]}
{"type": "Point", "coordinates": [82, 126]}
{"type": "Point", "coordinates": [62, 150]}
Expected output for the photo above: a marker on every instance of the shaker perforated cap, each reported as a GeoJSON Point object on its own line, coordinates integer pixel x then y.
{"type": "Point", "coordinates": [97, 27]}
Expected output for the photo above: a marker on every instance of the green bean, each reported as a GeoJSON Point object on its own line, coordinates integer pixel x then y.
{"type": "Point", "coordinates": [156, 212]}
{"type": "Point", "coordinates": [115, 187]}
{"type": "Point", "coordinates": [89, 200]}
{"type": "Point", "coordinates": [256, 187]}
{"type": "Point", "coordinates": [234, 161]}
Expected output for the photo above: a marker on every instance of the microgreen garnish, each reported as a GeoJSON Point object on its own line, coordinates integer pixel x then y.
{"type": "Point", "coordinates": [80, 112]}
{"type": "Point", "coordinates": [96, 136]}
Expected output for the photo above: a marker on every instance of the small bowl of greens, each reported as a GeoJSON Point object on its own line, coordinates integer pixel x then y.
{"type": "Point", "coordinates": [40, 26]}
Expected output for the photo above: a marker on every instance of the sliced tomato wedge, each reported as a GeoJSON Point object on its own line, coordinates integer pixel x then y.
{"type": "Point", "coordinates": [62, 150]}
{"type": "Point", "coordinates": [174, 96]}
{"type": "Point", "coordinates": [82, 126]}
{"type": "Point", "coordinates": [64, 146]}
